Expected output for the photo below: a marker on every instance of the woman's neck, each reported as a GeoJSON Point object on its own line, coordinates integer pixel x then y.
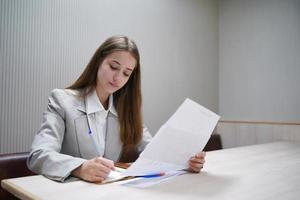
{"type": "Point", "coordinates": [103, 97]}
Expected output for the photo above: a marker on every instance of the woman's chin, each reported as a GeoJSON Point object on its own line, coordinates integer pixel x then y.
{"type": "Point", "coordinates": [112, 90]}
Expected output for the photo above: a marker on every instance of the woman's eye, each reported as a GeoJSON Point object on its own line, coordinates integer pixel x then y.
{"type": "Point", "coordinates": [113, 67]}
{"type": "Point", "coordinates": [125, 74]}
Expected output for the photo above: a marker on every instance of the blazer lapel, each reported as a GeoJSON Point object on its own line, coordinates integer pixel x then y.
{"type": "Point", "coordinates": [92, 132]}
{"type": "Point", "coordinates": [86, 146]}
{"type": "Point", "coordinates": [89, 145]}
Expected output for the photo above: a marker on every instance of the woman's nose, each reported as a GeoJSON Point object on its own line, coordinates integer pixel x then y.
{"type": "Point", "coordinates": [117, 76]}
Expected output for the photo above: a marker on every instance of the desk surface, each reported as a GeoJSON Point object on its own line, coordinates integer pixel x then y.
{"type": "Point", "coordinates": [266, 171]}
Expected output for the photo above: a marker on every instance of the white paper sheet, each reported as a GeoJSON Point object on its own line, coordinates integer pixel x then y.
{"type": "Point", "coordinates": [180, 138]}
{"type": "Point", "coordinates": [115, 175]}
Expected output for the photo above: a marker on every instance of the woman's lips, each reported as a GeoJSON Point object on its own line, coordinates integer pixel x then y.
{"type": "Point", "coordinates": [113, 85]}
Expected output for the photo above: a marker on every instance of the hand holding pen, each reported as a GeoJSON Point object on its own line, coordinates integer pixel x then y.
{"type": "Point", "coordinates": [94, 170]}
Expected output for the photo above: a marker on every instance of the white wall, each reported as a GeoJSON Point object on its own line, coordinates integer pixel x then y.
{"type": "Point", "coordinates": [46, 44]}
{"type": "Point", "coordinates": [259, 60]}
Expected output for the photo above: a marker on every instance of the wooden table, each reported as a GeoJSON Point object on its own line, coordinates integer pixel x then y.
{"type": "Point", "coordinates": [266, 171]}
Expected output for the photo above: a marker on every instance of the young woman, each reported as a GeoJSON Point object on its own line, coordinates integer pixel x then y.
{"type": "Point", "coordinates": [97, 120]}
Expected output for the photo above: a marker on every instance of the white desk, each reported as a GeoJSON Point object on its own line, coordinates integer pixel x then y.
{"type": "Point", "coordinates": [267, 171]}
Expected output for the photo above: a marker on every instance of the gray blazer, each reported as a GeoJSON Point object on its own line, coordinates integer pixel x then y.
{"type": "Point", "coordinates": [63, 143]}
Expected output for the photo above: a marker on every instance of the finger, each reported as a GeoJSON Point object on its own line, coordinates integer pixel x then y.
{"type": "Point", "coordinates": [106, 162]}
{"type": "Point", "coordinates": [197, 160]}
{"type": "Point", "coordinates": [91, 176]}
{"type": "Point", "coordinates": [96, 179]}
{"type": "Point", "coordinates": [196, 165]}
{"type": "Point", "coordinates": [98, 168]}
{"type": "Point", "coordinates": [195, 168]}
{"type": "Point", "coordinates": [103, 172]}
{"type": "Point", "coordinates": [101, 169]}
{"type": "Point", "coordinates": [102, 166]}
{"type": "Point", "coordinates": [201, 154]}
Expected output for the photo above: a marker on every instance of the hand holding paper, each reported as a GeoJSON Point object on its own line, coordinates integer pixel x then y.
{"type": "Point", "coordinates": [196, 162]}
{"type": "Point", "coordinates": [181, 137]}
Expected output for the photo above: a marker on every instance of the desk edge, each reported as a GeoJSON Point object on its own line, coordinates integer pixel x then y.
{"type": "Point", "coordinates": [17, 191]}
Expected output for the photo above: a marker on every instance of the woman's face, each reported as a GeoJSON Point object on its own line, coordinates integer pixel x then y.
{"type": "Point", "coordinates": [115, 71]}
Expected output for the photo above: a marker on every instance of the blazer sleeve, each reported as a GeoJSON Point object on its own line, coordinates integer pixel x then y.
{"type": "Point", "coordinates": [45, 157]}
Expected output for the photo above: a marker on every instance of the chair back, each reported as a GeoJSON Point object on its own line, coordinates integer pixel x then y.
{"type": "Point", "coordinates": [12, 165]}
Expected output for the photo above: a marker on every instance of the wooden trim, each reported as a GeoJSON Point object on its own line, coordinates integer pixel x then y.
{"type": "Point", "coordinates": [17, 191]}
{"type": "Point", "coordinates": [260, 122]}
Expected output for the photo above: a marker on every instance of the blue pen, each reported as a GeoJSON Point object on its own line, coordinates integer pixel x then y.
{"type": "Point", "coordinates": [152, 175]}
{"type": "Point", "coordinates": [94, 142]}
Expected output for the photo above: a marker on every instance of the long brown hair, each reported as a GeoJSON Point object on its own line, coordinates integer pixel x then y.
{"type": "Point", "coordinates": [128, 99]}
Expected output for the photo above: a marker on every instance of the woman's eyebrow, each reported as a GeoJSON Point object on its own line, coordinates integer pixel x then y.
{"type": "Point", "coordinates": [115, 61]}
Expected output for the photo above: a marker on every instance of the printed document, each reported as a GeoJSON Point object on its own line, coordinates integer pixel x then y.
{"type": "Point", "coordinates": [180, 138]}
